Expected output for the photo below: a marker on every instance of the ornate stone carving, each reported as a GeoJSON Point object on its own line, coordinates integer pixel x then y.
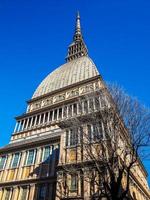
{"type": "Point", "coordinates": [75, 92]}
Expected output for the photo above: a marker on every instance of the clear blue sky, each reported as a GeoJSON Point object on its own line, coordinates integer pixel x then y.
{"type": "Point", "coordinates": [34, 36]}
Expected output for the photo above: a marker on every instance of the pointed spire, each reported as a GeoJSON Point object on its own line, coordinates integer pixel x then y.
{"type": "Point", "coordinates": [77, 34]}
{"type": "Point", "coordinates": [77, 48]}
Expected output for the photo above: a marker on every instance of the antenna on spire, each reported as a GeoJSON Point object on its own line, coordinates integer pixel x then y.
{"type": "Point", "coordinates": [77, 34]}
{"type": "Point", "coordinates": [78, 48]}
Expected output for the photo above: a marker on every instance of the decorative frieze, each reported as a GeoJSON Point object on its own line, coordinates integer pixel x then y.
{"type": "Point", "coordinates": [75, 92]}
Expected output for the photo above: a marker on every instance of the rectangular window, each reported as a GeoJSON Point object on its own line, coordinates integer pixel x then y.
{"type": "Point", "coordinates": [42, 192]}
{"type": "Point", "coordinates": [97, 105]}
{"type": "Point", "coordinates": [46, 154]}
{"type": "Point", "coordinates": [24, 193]}
{"type": "Point", "coordinates": [95, 132]}
{"type": "Point", "coordinates": [2, 162]}
{"type": "Point", "coordinates": [73, 137]}
{"type": "Point", "coordinates": [73, 182]}
{"type": "Point", "coordinates": [85, 106]}
{"type": "Point", "coordinates": [80, 133]}
{"type": "Point", "coordinates": [89, 129]}
{"type": "Point", "coordinates": [67, 138]}
{"type": "Point", "coordinates": [15, 160]}
{"type": "Point", "coordinates": [7, 196]}
{"type": "Point", "coordinates": [30, 157]}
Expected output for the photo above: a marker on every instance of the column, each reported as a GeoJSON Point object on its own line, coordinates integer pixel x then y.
{"type": "Point", "coordinates": [48, 118]}
{"type": "Point", "coordinates": [22, 162]}
{"type": "Point", "coordinates": [20, 193]}
{"type": "Point", "coordinates": [57, 114]}
{"type": "Point", "coordinates": [4, 194]}
{"type": "Point", "coordinates": [27, 124]}
{"type": "Point", "coordinates": [94, 104]}
{"type": "Point", "coordinates": [103, 131]}
{"type": "Point", "coordinates": [4, 178]}
{"type": "Point", "coordinates": [53, 116]}
{"type": "Point", "coordinates": [22, 128]}
{"type": "Point", "coordinates": [19, 125]}
{"type": "Point", "coordinates": [1, 193]}
{"type": "Point", "coordinates": [32, 192]}
{"type": "Point", "coordinates": [35, 120]}
{"type": "Point", "coordinates": [16, 127]}
{"type": "Point", "coordinates": [100, 105]}
{"type": "Point", "coordinates": [28, 191]}
{"type": "Point", "coordinates": [40, 119]}
{"type": "Point", "coordinates": [67, 111]}
{"type": "Point", "coordinates": [15, 193]}
{"type": "Point", "coordinates": [72, 108]}
{"type": "Point", "coordinates": [44, 118]}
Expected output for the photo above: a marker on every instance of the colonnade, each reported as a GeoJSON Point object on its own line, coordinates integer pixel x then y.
{"type": "Point", "coordinates": [84, 106]}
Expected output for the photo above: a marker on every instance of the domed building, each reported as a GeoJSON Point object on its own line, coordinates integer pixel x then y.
{"type": "Point", "coordinates": [32, 165]}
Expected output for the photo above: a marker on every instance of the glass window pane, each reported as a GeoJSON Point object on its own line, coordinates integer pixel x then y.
{"type": "Point", "coordinates": [73, 137]}
{"type": "Point", "coordinates": [73, 182]}
{"type": "Point", "coordinates": [24, 194]}
{"type": "Point", "coordinates": [67, 138]}
{"type": "Point", "coordinates": [2, 162]}
{"type": "Point", "coordinates": [7, 196]}
{"type": "Point", "coordinates": [42, 192]}
{"type": "Point", "coordinates": [89, 133]}
{"type": "Point", "coordinates": [46, 156]}
{"type": "Point", "coordinates": [15, 160]}
{"type": "Point", "coordinates": [30, 158]}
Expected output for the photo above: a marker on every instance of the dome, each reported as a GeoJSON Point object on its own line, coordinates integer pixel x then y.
{"type": "Point", "coordinates": [67, 74]}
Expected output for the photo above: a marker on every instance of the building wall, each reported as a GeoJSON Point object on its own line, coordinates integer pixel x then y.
{"type": "Point", "coordinates": [45, 118]}
{"type": "Point", "coordinates": [25, 180]}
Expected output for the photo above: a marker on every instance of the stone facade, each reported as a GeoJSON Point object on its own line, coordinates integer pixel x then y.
{"type": "Point", "coordinates": [43, 138]}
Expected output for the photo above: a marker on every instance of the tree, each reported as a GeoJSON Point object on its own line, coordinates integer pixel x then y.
{"type": "Point", "coordinates": [112, 146]}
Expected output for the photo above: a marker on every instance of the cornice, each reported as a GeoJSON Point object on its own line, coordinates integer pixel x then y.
{"type": "Point", "coordinates": [63, 89]}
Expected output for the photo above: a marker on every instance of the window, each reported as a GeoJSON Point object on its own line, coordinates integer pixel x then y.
{"type": "Point", "coordinates": [103, 99]}
{"type": "Point", "coordinates": [2, 162]}
{"type": "Point", "coordinates": [7, 196]}
{"type": "Point", "coordinates": [73, 137]}
{"type": "Point", "coordinates": [30, 157]}
{"type": "Point", "coordinates": [15, 160]}
{"type": "Point", "coordinates": [97, 105]}
{"type": "Point", "coordinates": [95, 131]}
{"type": "Point", "coordinates": [89, 129]}
{"type": "Point", "coordinates": [73, 182]}
{"type": "Point", "coordinates": [46, 154]}
{"type": "Point", "coordinates": [67, 138]}
{"type": "Point", "coordinates": [60, 113]}
{"type": "Point", "coordinates": [42, 192]}
{"type": "Point", "coordinates": [75, 109]}
{"type": "Point", "coordinates": [85, 106]}
{"type": "Point", "coordinates": [91, 104]}
{"type": "Point", "coordinates": [24, 193]}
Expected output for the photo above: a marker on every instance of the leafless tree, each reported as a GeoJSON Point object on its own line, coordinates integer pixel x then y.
{"type": "Point", "coordinates": [112, 150]}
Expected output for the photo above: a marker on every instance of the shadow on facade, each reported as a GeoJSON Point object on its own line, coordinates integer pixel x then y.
{"type": "Point", "coordinates": [45, 185]}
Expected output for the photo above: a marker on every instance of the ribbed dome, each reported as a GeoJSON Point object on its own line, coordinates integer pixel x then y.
{"type": "Point", "coordinates": [72, 72]}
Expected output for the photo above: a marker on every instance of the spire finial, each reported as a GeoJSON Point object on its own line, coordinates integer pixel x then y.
{"type": "Point", "coordinates": [78, 48]}
{"type": "Point", "coordinates": [77, 34]}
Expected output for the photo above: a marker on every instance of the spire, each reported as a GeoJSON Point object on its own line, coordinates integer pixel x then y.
{"type": "Point", "coordinates": [78, 28]}
{"type": "Point", "coordinates": [77, 48]}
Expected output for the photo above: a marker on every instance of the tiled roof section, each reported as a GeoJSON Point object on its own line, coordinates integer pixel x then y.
{"type": "Point", "coordinates": [72, 72]}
